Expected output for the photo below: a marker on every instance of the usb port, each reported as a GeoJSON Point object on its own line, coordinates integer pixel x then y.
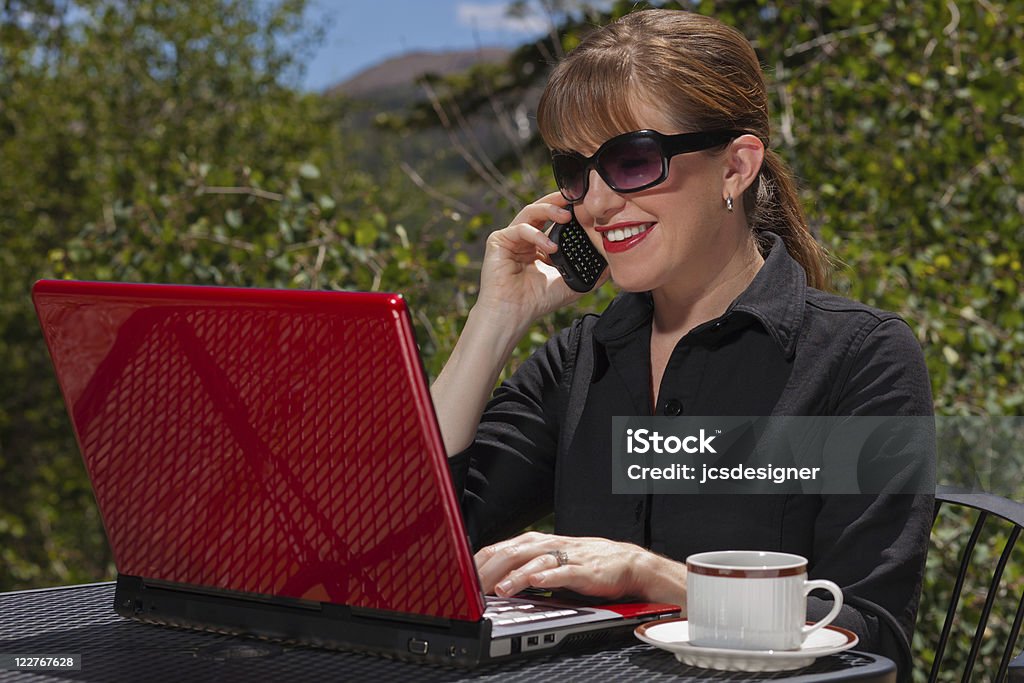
{"type": "Point", "coordinates": [549, 637]}
{"type": "Point", "coordinates": [531, 641]}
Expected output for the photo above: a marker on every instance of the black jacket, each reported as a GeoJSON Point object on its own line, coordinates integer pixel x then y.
{"type": "Point", "coordinates": [782, 348]}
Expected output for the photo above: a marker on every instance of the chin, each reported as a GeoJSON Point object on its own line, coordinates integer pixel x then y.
{"type": "Point", "coordinates": [632, 284]}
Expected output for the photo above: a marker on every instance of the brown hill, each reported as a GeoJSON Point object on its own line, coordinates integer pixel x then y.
{"type": "Point", "coordinates": [402, 71]}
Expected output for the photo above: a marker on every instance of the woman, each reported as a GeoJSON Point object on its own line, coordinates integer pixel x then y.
{"type": "Point", "coordinates": [721, 314]}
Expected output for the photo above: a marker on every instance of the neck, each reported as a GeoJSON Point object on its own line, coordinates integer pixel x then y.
{"type": "Point", "coordinates": [681, 306]}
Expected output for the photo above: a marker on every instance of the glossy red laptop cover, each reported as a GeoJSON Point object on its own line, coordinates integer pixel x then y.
{"type": "Point", "coordinates": [221, 431]}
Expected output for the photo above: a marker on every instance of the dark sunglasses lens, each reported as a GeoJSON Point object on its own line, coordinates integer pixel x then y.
{"type": "Point", "coordinates": [570, 174]}
{"type": "Point", "coordinates": [631, 163]}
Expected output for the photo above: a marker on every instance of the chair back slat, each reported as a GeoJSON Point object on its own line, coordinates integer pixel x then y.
{"type": "Point", "coordinates": [996, 513]}
{"type": "Point", "coordinates": [1004, 662]}
{"type": "Point", "coordinates": [954, 600]}
{"type": "Point", "coordinates": [986, 610]}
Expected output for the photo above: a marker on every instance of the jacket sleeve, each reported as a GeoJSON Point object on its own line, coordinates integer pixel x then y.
{"type": "Point", "coordinates": [505, 478]}
{"type": "Point", "coordinates": [874, 546]}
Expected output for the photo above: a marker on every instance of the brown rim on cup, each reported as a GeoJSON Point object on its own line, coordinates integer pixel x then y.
{"type": "Point", "coordinates": [776, 565]}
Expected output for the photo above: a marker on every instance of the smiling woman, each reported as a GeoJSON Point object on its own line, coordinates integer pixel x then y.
{"type": "Point", "coordinates": [659, 128]}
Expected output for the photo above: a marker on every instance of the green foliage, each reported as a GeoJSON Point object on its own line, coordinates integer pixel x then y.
{"type": "Point", "coordinates": [911, 169]}
{"type": "Point", "coordinates": [161, 141]}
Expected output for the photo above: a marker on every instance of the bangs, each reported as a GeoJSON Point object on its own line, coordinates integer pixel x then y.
{"type": "Point", "coordinates": [588, 101]}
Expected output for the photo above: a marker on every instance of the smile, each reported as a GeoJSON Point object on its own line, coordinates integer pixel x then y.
{"type": "Point", "coordinates": [621, 239]}
{"type": "Point", "coordinates": [623, 233]}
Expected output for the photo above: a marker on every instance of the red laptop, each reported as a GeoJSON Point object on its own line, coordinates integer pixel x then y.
{"type": "Point", "coordinates": [268, 463]}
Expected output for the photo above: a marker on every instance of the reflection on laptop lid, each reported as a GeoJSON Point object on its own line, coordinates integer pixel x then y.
{"type": "Point", "coordinates": [268, 462]}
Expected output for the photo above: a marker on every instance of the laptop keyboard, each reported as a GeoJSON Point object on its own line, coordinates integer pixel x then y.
{"type": "Point", "coordinates": [504, 612]}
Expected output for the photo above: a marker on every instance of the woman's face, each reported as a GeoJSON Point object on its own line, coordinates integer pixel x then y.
{"type": "Point", "coordinates": [686, 236]}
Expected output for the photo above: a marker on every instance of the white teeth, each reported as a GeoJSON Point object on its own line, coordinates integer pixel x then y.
{"type": "Point", "coordinates": [621, 234]}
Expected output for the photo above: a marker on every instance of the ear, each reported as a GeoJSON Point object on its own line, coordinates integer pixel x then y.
{"type": "Point", "coordinates": [742, 163]}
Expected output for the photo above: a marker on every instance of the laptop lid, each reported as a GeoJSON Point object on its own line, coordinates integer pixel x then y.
{"type": "Point", "coordinates": [275, 442]}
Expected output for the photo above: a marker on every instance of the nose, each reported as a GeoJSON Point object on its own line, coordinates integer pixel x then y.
{"type": "Point", "coordinates": [601, 201]}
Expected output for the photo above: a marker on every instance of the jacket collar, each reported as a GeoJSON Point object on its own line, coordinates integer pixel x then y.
{"type": "Point", "coordinates": [775, 298]}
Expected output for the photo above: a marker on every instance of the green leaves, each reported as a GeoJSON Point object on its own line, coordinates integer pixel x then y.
{"type": "Point", "coordinates": [144, 141]}
{"type": "Point", "coordinates": [161, 141]}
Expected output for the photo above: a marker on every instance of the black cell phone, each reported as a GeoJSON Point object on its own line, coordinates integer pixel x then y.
{"type": "Point", "coordinates": [577, 259]}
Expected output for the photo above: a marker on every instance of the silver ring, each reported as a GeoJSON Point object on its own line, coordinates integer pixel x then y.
{"type": "Point", "coordinates": [561, 556]}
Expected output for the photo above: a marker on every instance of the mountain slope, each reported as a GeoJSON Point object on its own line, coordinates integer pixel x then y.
{"type": "Point", "coordinates": [400, 73]}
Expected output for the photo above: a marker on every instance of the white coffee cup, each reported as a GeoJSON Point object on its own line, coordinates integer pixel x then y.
{"type": "Point", "coordinates": [752, 600]}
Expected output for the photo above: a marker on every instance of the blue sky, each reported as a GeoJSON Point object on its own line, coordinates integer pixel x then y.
{"type": "Point", "coordinates": [364, 32]}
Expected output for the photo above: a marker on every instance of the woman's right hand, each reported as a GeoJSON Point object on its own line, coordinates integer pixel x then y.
{"type": "Point", "coordinates": [518, 284]}
{"type": "Point", "coordinates": [517, 278]}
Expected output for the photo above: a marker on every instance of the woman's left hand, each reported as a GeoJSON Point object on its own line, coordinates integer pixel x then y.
{"type": "Point", "coordinates": [590, 566]}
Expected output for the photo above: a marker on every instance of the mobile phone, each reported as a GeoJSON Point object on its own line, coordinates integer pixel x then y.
{"type": "Point", "coordinates": [577, 259]}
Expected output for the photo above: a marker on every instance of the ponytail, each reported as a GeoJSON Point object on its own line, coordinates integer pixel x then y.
{"type": "Point", "coordinates": [772, 205]}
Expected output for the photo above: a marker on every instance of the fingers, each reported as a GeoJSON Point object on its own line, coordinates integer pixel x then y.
{"type": "Point", "coordinates": [509, 567]}
{"type": "Point", "coordinates": [518, 580]}
{"type": "Point", "coordinates": [554, 198]}
{"type": "Point", "coordinates": [573, 577]}
{"type": "Point", "coordinates": [543, 571]}
{"type": "Point", "coordinates": [552, 207]}
{"type": "Point", "coordinates": [523, 241]}
{"type": "Point", "coordinates": [592, 566]}
{"type": "Point", "coordinates": [514, 559]}
{"type": "Point", "coordinates": [518, 278]}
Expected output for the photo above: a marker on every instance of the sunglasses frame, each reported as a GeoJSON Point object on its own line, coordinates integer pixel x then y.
{"type": "Point", "coordinates": [670, 145]}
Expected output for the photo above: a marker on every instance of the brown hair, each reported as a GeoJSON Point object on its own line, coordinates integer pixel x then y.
{"type": "Point", "coordinates": [702, 73]}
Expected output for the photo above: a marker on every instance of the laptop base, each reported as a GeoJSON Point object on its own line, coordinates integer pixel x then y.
{"type": "Point", "coordinates": [446, 642]}
{"type": "Point", "coordinates": [454, 643]}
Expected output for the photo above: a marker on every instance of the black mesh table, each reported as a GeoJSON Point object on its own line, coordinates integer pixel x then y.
{"type": "Point", "coordinates": [81, 620]}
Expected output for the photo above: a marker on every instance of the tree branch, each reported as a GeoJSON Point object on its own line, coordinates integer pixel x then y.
{"type": "Point", "coordinates": [251, 191]}
{"type": "Point", "coordinates": [419, 182]}
{"type": "Point", "coordinates": [828, 38]}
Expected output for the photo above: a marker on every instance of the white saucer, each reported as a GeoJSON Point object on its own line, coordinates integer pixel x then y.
{"type": "Point", "coordinates": [674, 635]}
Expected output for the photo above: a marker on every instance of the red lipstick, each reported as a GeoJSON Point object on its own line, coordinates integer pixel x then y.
{"type": "Point", "coordinates": [626, 244]}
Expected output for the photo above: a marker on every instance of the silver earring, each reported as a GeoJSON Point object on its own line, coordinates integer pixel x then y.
{"type": "Point", "coordinates": [728, 203]}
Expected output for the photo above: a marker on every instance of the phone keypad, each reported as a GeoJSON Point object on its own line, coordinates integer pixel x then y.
{"type": "Point", "coordinates": [581, 256]}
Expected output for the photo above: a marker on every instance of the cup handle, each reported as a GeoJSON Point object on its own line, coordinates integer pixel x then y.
{"type": "Point", "coordinates": [837, 595]}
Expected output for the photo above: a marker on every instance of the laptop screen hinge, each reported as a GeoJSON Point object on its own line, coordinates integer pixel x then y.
{"type": "Point", "coordinates": [277, 600]}
{"type": "Point", "coordinates": [402, 617]}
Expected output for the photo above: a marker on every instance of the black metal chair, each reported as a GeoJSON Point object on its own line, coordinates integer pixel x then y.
{"type": "Point", "coordinates": [999, 516]}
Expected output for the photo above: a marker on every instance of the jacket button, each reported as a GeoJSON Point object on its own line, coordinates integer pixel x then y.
{"type": "Point", "coordinates": [673, 407]}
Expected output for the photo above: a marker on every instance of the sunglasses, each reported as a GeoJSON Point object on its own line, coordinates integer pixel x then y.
{"type": "Point", "coordinates": [630, 162]}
